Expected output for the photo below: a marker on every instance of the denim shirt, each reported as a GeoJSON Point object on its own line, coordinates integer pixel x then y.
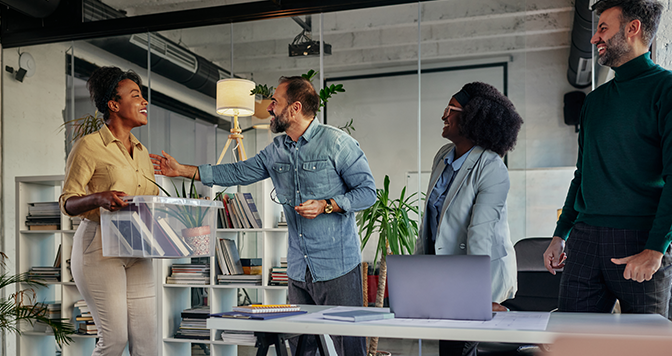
{"type": "Point", "coordinates": [324, 163]}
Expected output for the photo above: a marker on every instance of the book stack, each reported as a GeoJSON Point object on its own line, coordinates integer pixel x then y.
{"type": "Point", "coordinates": [236, 337]}
{"type": "Point", "coordinates": [45, 274]}
{"type": "Point", "coordinates": [193, 325]}
{"type": "Point", "coordinates": [279, 273]}
{"type": "Point", "coordinates": [239, 212]}
{"type": "Point", "coordinates": [50, 310]}
{"type": "Point", "coordinates": [189, 273]}
{"type": "Point", "coordinates": [85, 319]}
{"type": "Point", "coordinates": [43, 216]}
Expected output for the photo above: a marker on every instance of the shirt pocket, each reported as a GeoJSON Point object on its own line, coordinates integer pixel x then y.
{"type": "Point", "coordinates": [315, 178]}
{"type": "Point", "coordinates": [123, 178]}
{"type": "Point", "coordinates": [283, 179]}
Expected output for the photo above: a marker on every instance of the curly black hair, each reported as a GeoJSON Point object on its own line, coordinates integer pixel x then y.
{"type": "Point", "coordinates": [102, 85]}
{"type": "Point", "coordinates": [489, 119]}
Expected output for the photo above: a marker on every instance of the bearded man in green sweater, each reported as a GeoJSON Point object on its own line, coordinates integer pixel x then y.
{"type": "Point", "coordinates": [619, 204]}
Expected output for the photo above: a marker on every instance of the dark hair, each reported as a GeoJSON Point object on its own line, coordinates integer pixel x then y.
{"type": "Point", "coordinates": [489, 119]}
{"type": "Point", "coordinates": [300, 89]}
{"type": "Point", "coordinates": [646, 11]}
{"type": "Point", "coordinates": [102, 85]}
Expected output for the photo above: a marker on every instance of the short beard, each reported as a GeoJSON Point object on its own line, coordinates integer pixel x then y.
{"type": "Point", "coordinates": [617, 47]}
{"type": "Point", "coordinates": [280, 124]}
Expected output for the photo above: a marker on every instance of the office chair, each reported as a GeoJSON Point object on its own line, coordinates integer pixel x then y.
{"type": "Point", "coordinates": [537, 291]}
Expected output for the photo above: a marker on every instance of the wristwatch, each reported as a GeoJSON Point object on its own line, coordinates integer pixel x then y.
{"type": "Point", "coordinates": [329, 208]}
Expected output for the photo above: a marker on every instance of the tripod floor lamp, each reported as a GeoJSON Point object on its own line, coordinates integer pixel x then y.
{"type": "Point", "coordinates": [235, 98]}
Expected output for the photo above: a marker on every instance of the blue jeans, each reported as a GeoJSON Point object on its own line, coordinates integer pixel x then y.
{"type": "Point", "coordinates": [345, 290]}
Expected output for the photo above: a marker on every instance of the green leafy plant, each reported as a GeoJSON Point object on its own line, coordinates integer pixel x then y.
{"type": "Point", "coordinates": [84, 125]}
{"type": "Point", "coordinates": [396, 234]}
{"type": "Point", "coordinates": [325, 93]}
{"type": "Point", "coordinates": [263, 90]}
{"type": "Point", "coordinates": [348, 127]}
{"type": "Point", "coordinates": [22, 306]}
{"type": "Point", "coordinates": [190, 216]}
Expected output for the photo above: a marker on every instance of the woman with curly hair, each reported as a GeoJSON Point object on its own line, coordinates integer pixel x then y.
{"type": "Point", "coordinates": [465, 212]}
{"type": "Point", "coordinates": [103, 167]}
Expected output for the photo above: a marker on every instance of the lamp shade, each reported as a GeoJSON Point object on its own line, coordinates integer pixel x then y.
{"type": "Point", "coordinates": [234, 97]}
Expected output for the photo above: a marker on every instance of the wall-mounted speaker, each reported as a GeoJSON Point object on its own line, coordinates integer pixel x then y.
{"type": "Point", "coordinates": [572, 109]}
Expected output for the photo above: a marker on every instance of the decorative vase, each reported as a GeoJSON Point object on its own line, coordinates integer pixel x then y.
{"type": "Point", "coordinates": [198, 238]}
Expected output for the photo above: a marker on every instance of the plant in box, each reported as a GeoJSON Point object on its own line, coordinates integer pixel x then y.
{"type": "Point", "coordinates": [197, 230]}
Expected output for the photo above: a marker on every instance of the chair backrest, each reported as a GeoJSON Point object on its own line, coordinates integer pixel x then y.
{"type": "Point", "coordinates": [537, 288]}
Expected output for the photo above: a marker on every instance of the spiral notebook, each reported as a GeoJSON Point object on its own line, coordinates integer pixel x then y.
{"type": "Point", "coordinates": [267, 308]}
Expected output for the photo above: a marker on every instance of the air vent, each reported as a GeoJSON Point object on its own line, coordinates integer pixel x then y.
{"type": "Point", "coordinates": [168, 51]}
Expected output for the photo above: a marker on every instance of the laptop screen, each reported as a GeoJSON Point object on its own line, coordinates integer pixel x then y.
{"type": "Point", "coordinates": [440, 287]}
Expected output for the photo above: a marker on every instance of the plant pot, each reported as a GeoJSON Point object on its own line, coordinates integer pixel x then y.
{"type": "Point", "coordinates": [260, 109]}
{"type": "Point", "coordinates": [198, 238]}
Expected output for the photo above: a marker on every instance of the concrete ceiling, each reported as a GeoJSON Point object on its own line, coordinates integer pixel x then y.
{"type": "Point", "coordinates": [376, 37]}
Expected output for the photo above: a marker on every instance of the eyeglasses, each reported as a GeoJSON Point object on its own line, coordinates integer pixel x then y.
{"type": "Point", "coordinates": [274, 198]}
{"type": "Point", "coordinates": [450, 108]}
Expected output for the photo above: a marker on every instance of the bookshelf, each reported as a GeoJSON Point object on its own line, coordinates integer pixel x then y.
{"type": "Point", "coordinates": [38, 248]}
{"type": "Point", "coordinates": [269, 243]}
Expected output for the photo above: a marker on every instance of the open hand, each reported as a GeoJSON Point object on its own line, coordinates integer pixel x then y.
{"type": "Point", "coordinates": [640, 267]}
{"type": "Point", "coordinates": [554, 257]}
{"type": "Point", "coordinates": [165, 165]}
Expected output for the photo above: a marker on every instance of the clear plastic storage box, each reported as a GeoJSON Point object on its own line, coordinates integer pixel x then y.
{"type": "Point", "coordinates": [160, 227]}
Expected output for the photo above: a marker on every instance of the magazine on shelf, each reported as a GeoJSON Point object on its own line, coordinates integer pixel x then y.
{"type": "Point", "coordinates": [231, 254]}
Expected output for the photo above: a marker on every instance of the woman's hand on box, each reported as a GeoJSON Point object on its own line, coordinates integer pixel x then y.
{"type": "Point", "coordinates": [111, 200]}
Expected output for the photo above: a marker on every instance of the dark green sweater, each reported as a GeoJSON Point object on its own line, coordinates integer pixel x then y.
{"type": "Point", "coordinates": [625, 155]}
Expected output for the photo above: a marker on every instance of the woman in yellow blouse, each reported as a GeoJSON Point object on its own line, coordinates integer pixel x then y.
{"type": "Point", "coordinates": [102, 167]}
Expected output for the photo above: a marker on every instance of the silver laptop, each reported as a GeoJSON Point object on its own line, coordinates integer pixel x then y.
{"type": "Point", "coordinates": [439, 287]}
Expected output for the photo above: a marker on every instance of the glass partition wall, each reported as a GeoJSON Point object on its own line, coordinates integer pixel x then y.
{"type": "Point", "coordinates": [399, 66]}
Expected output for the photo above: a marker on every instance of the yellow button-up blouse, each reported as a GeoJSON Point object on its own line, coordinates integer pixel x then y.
{"type": "Point", "coordinates": [99, 162]}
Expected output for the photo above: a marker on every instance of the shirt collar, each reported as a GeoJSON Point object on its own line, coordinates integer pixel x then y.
{"type": "Point", "coordinates": [307, 135]}
{"type": "Point", "coordinates": [634, 67]}
{"type": "Point", "coordinates": [456, 163]}
{"type": "Point", "coordinates": [108, 137]}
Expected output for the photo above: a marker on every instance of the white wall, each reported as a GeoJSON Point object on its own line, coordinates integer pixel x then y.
{"type": "Point", "coordinates": [32, 112]}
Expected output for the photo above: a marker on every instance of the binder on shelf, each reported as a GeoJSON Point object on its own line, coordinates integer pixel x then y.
{"type": "Point", "coordinates": [220, 258]}
{"type": "Point", "coordinates": [250, 208]}
{"type": "Point", "coordinates": [232, 256]}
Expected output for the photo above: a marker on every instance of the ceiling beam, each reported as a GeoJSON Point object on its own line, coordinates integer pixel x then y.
{"type": "Point", "coordinates": [66, 23]}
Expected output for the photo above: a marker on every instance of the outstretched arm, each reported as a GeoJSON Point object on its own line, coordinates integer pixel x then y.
{"type": "Point", "coordinates": [168, 166]}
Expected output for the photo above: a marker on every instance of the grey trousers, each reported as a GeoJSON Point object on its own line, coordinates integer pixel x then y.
{"type": "Point", "coordinates": [345, 290]}
{"type": "Point", "coordinates": [120, 293]}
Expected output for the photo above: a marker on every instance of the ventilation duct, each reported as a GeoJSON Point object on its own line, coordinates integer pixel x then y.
{"type": "Point", "coordinates": [168, 59]}
{"type": "Point", "coordinates": [33, 8]}
{"type": "Point", "coordinates": [581, 50]}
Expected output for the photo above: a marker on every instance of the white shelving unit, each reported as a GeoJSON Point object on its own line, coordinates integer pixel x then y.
{"type": "Point", "coordinates": [269, 243]}
{"type": "Point", "coordinates": [38, 248]}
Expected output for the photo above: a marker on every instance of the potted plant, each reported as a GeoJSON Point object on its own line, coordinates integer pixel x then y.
{"type": "Point", "coordinates": [84, 125]}
{"type": "Point", "coordinates": [21, 306]}
{"type": "Point", "coordinates": [263, 95]}
{"type": "Point", "coordinates": [396, 234]}
{"type": "Point", "coordinates": [196, 232]}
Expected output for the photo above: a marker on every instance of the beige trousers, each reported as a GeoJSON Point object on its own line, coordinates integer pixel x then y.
{"type": "Point", "coordinates": [120, 292]}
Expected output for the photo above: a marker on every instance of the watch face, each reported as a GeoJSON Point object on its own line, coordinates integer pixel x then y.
{"type": "Point", "coordinates": [328, 209]}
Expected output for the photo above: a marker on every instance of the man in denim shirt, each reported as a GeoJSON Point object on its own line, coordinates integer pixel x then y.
{"type": "Point", "coordinates": [322, 178]}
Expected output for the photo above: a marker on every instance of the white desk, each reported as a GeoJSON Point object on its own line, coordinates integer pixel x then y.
{"type": "Point", "coordinates": [649, 326]}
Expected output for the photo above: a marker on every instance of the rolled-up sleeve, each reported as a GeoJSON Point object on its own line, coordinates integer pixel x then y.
{"type": "Point", "coordinates": [80, 169]}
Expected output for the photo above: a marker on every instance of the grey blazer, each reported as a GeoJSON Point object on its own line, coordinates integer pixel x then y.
{"type": "Point", "coordinates": [473, 218]}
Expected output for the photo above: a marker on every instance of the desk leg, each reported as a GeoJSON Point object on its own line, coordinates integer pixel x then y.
{"type": "Point", "coordinates": [321, 344]}
{"type": "Point", "coordinates": [265, 340]}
